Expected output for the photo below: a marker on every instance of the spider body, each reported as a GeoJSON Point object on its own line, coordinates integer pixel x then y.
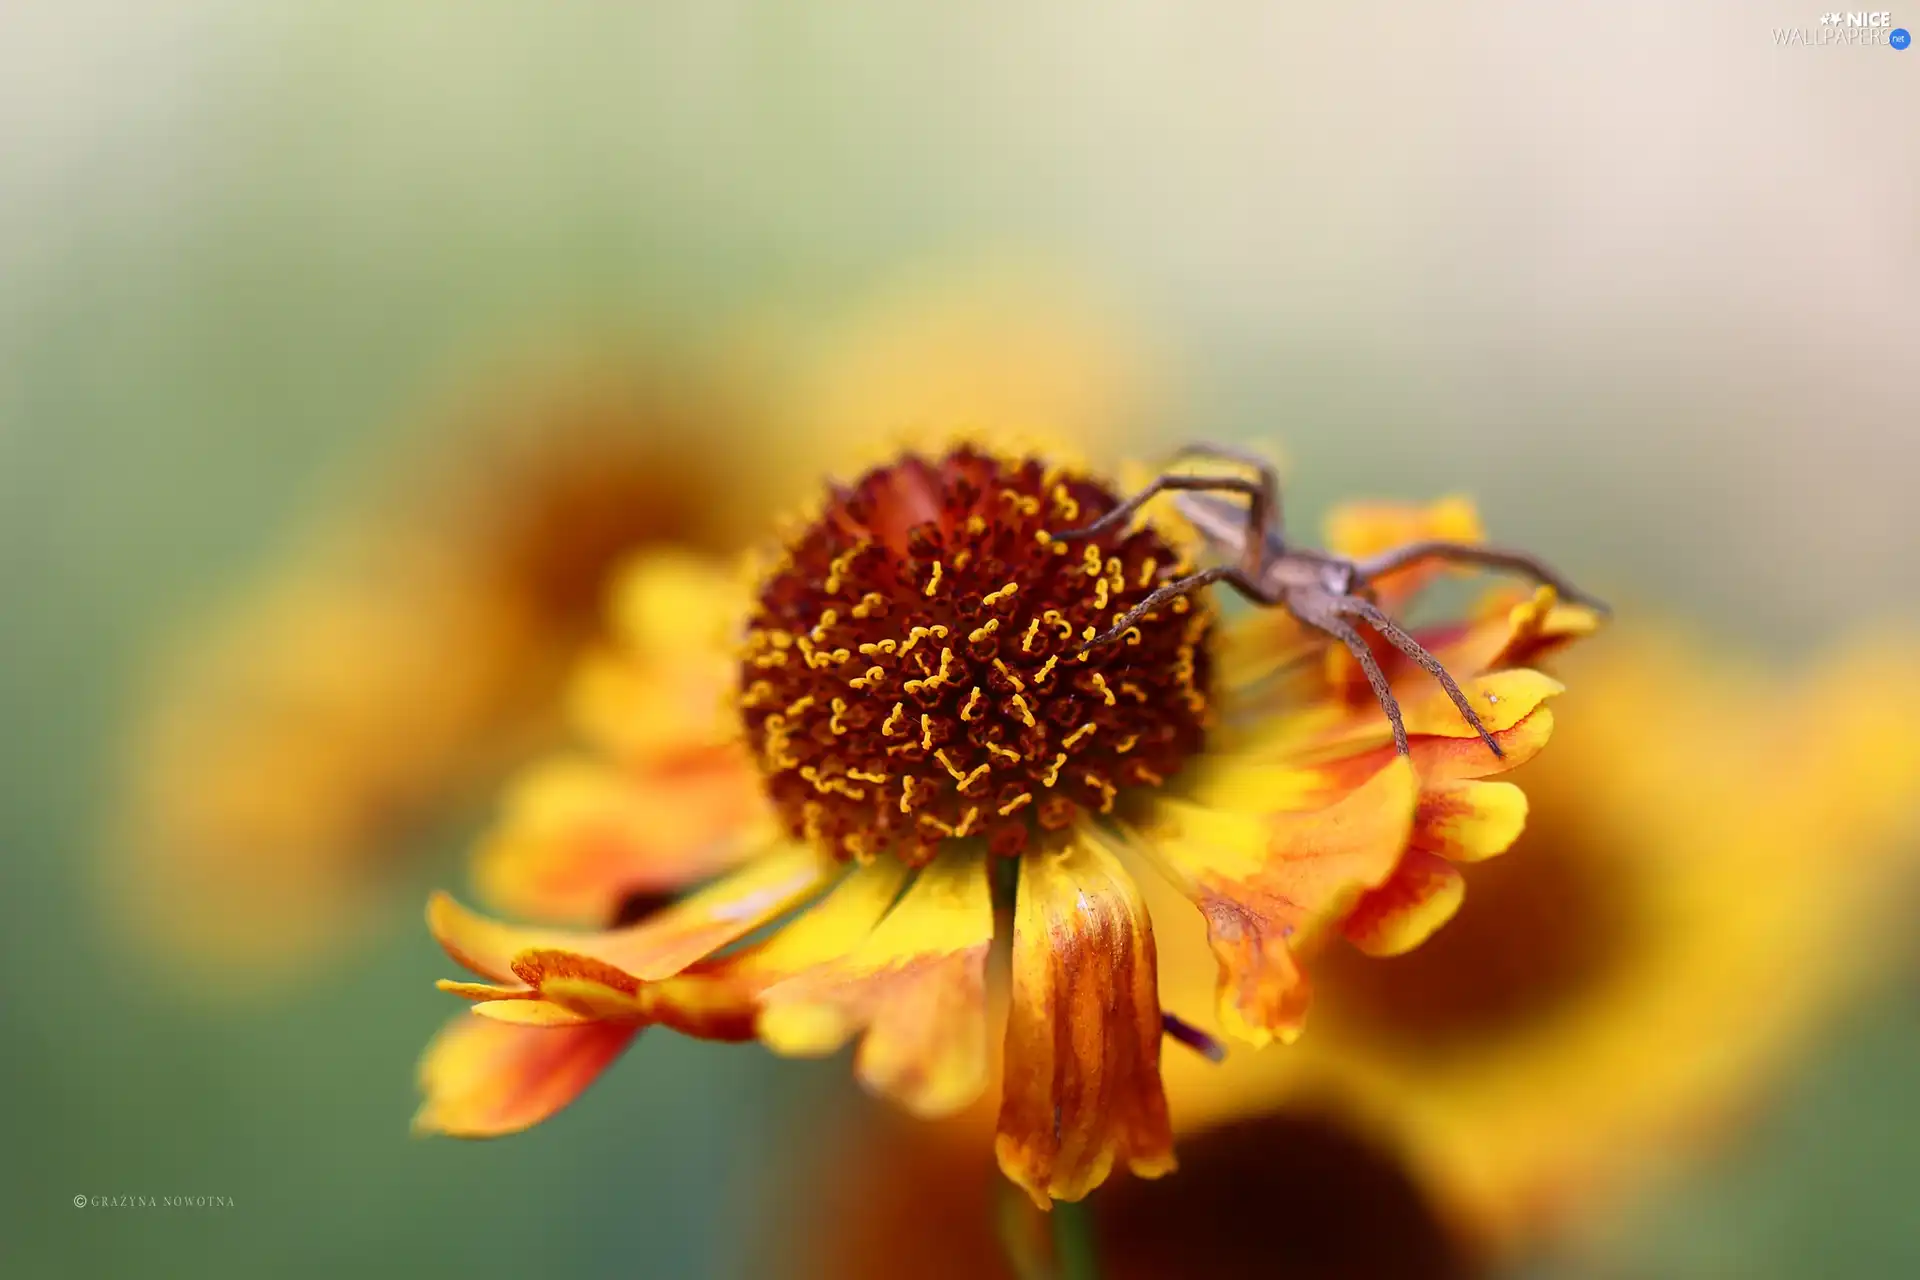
{"type": "Point", "coordinates": [1326, 592]}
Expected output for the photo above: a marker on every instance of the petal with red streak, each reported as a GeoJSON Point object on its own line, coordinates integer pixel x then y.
{"type": "Point", "coordinates": [1270, 879]}
{"type": "Point", "coordinates": [1469, 821]}
{"type": "Point", "coordinates": [1422, 895]}
{"type": "Point", "coordinates": [482, 1078]}
{"type": "Point", "coordinates": [1083, 1086]}
{"type": "Point", "coordinates": [916, 987]}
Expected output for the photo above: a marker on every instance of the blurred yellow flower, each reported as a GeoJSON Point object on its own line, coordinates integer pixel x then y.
{"type": "Point", "coordinates": [918, 710]}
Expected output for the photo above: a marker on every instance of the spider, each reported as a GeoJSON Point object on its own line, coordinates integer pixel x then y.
{"type": "Point", "coordinates": [1326, 592]}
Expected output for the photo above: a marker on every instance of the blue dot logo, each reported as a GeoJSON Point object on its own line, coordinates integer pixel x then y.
{"type": "Point", "coordinates": [1899, 38]}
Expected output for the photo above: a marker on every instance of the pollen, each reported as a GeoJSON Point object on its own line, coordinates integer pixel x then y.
{"type": "Point", "coordinates": [967, 617]}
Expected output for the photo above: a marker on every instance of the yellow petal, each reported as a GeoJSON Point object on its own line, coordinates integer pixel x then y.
{"type": "Point", "coordinates": [482, 1078]}
{"type": "Point", "coordinates": [1501, 699]}
{"type": "Point", "coordinates": [1422, 894]}
{"type": "Point", "coordinates": [1469, 821]}
{"type": "Point", "coordinates": [666, 686]}
{"type": "Point", "coordinates": [1269, 880]}
{"type": "Point", "coordinates": [530, 1013]}
{"type": "Point", "coordinates": [1083, 1033]}
{"type": "Point", "coordinates": [916, 986]}
{"type": "Point", "coordinates": [578, 837]}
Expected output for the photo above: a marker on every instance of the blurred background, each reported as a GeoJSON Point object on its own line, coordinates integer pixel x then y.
{"type": "Point", "coordinates": [337, 340]}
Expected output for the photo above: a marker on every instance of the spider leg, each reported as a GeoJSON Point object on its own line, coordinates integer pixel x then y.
{"type": "Point", "coordinates": [1341, 630]}
{"type": "Point", "coordinates": [1172, 482]}
{"type": "Point", "coordinates": [1230, 574]}
{"type": "Point", "coordinates": [1390, 630]}
{"type": "Point", "coordinates": [1519, 562]}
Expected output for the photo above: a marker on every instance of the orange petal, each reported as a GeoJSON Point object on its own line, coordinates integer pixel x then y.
{"type": "Point", "coordinates": [1469, 821]}
{"type": "Point", "coordinates": [578, 837]}
{"type": "Point", "coordinates": [1401, 914]}
{"type": "Point", "coordinates": [658, 947]}
{"type": "Point", "coordinates": [591, 989]}
{"type": "Point", "coordinates": [1445, 760]}
{"type": "Point", "coordinates": [1267, 881]}
{"type": "Point", "coordinates": [1083, 1034]}
{"type": "Point", "coordinates": [720, 999]}
{"type": "Point", "coordinates": [916, 985]}
{"type": "Point", "coordinates": [483, 1078]}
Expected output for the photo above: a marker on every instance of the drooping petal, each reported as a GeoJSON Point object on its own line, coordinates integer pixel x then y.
{"type": "Point", "coordinates": [1469, 821]}
{"type": "Point", "coordinates": [578, 837]}
{"type": "Point", "coordinates": [1269, 879]}
{"type": "Point", "coordinates": [1083, 1034]}
{"type": "Point", "coordinates": [482, 1078]}
{"type": "Point", "coordinates": [660, 946]}
{"type": "Point", "coordinates": [915, 985]}
{"type": "Point", "coordinates": [1421, 895]}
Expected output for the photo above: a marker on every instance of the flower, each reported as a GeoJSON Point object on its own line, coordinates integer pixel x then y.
{"type": "Point", "coordinates": [1710, 869]}
{"type": "Point", "coordinates": [303, 742]}
{"type": "Point", "coordinates": [272, 782]}
{"type": "Point", "coordinates": [914, 712]}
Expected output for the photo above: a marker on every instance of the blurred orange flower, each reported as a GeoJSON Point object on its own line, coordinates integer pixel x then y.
{"type": "Point", "coordinates": [311, 732]}
{"type": "Point", "coordinates": [307, 739]}
{"type": "Point", "coordinates": [911, 677]}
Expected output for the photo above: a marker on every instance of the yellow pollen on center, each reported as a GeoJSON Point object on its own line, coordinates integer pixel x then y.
{"type": "Point", "coordinates": [971, 698]}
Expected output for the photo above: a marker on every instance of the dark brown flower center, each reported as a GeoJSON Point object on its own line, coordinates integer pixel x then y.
{"type": "Point", "coordinates": [912, 671]}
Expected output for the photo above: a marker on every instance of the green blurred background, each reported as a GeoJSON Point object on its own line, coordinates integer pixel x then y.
{"type": "Point", "coordinates": [1643, 282]}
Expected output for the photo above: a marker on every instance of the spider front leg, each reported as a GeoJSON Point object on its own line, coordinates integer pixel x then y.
{"type": "Point", "coordinates": [1232, 575]}
{"type": "Point", "coordinates": [1390, 631]}
{"type": "Point", "coordinates": [1343, 631]}
{"type": "Point", "coordinates": [1251, 542]}
{"type": "Point", "coordinates": [1519, 562]}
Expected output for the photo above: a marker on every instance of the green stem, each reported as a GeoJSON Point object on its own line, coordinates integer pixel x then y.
{"type": "Point", "coordinates": [1014, 1223]}
{"type": "Point", "coordinates": [1075, 1254]}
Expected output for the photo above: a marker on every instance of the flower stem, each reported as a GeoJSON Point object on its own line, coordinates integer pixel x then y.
{"type": "Point", "coordinates": [1075, 1254]}
{"type": "Point", "coordinates": [1025, 1241]}
{"type": "Point", "coordinates": [1023, 1245]}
